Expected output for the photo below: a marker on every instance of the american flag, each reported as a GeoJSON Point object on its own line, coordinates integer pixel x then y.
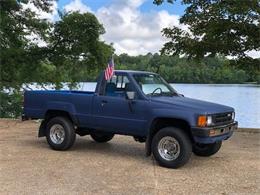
{"type": "Point", "coordinates": [110, 69]}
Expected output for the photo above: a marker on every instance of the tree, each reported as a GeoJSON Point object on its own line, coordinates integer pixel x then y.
{"type": "Point", "coordinates": [75, 48]}
{"type": "Point", "coordinates": [155, 62]}
{"type": "Point", "coordinates": [230, 28]}
{"type": "Point", "coordinates": [72, 50]}
{"type": "Point", "coordinates": [19, 56]}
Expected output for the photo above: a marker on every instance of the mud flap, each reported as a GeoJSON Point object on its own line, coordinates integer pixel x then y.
{"type": "Point", "coordinates": [42, 129]}
{"type": "Point", "coordinates": [148, 143]}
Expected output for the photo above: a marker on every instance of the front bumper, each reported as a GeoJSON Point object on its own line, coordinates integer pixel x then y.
{"type": "Point", "coordinates": [213, 134]}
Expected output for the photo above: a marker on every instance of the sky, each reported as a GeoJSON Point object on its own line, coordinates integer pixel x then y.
{"type": "Point", "coordinates": [132, 26]}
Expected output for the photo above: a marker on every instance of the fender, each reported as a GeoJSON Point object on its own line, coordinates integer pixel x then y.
{"type": "Point", "coordinates": [61, 108]}
{"type": "Point", "coordinates": [69, 108]}
{"type": "Point", "coordinates": [176, 114]}
{"type": "Point", "coordinates": [59, 105]}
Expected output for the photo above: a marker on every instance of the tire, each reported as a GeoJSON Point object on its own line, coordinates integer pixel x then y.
{"type": "Point", "coordinates": [60, 133]}
{"type": "Point", "coordinates": [181, 146]}
{"type": "Point", "coordinates": [206, 149]}
{"type": "Point", "coordinates": [101, 137]}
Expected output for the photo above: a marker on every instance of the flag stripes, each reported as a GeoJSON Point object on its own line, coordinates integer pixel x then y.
{"type": "Point", "coordinates": [110, 69]}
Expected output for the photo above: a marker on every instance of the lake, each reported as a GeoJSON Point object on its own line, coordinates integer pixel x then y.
{"type": "Point", "coordinates": [245, 98]}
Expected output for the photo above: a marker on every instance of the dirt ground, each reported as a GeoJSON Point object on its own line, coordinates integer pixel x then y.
{"type": "Point", "coordinates": [29, 166]}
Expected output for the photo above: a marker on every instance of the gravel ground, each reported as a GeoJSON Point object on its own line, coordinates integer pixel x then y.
{"type": "Point", "coordinates": [29, 166]}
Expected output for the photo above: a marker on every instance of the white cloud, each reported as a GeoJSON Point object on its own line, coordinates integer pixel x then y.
{"type": "Point", "coordinates": [41, 14]}
{"type": "Point", "coordinates": [77, 5]}
{"type": "Point", "coordinates": [51, 16]}
{"type": "Point", "coordinates": [132, 31]}
{"type": "Point", "coordinates": [254, 54]}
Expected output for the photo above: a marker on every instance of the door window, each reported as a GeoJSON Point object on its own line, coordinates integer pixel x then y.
{"type": "Point", "coordinates": [117, 86]}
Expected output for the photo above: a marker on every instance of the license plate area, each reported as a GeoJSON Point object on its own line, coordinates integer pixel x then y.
{"type": "Point", "coordinates": [221, 131]}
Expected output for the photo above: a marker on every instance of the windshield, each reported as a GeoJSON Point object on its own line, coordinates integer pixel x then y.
{"type": "Point", "coordinates": [154, 85]}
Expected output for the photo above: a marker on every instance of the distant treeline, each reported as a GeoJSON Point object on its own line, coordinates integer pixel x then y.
{"type": "Point", "coordinates": [183, 70]}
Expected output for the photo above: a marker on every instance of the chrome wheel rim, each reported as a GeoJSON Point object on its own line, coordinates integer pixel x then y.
{"type": "Point", "coordinates": [169, 148]}
{"type": "Point", "coordinates": [57, 134]}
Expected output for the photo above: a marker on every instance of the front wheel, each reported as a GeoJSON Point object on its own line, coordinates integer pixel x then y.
{"type": "Point", "coordinates": [171, 147]}
{"type": "Point", "coordinates": [206, 149]}
{"type": "Point", "coordinates": [101, 137]}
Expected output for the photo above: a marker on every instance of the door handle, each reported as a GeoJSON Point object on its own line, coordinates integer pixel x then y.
{"type": "Point", "coordinates": [103, 102]}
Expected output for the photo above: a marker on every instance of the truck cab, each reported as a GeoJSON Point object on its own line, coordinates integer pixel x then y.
{"type": "Point", "coordinates": [134, 103]}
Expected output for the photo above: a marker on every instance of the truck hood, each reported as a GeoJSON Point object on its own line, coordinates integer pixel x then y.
{"type": "Point", "coordinates": [193, 105]}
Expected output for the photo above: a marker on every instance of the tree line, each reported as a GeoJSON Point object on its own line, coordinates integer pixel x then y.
{"type": "Point", "coordinates": [183, 70]}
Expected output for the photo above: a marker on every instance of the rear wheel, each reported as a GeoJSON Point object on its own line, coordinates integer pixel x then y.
{"type": "Point", "coordinates": [60, 133]}
{"type": "Point", "coordinates": [171, 147]}
{"type": "Point", "coordinates": [101, 137]}
{"type": "Point", "coordinates": [206, 149]}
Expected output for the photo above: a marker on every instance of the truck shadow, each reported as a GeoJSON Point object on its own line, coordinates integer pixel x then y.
{"type": "Point", "coordinates": [124, 148]}
{"type": "Point", "coordinates": [84, 146]}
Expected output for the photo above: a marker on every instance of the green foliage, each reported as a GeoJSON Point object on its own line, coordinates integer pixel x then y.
{"type": "Point", "coordinates": [72, 44]}
{"type": "Point", "coordinates": [20, 57]}
{"type": "Point", "coordinates": [73, 50]}
{"type": "Point", "coordinates": [229, 28]}
{"type": "Point", "coordinates": [182, 70]}
{"type": "Point", "coordinates": [75, 45]}
{"type": "Point", "coordinates": [251, 66]}
{"type": "Point", "coordinates": [159, 2]}
{"type": "Point", "coordinates": [10, 105]}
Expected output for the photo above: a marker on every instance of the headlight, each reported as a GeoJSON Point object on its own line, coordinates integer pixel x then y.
{"type": "Point", "coordinates": [233, 115]}
{"type": "Point", "coordinates": [209, 120]}
{"type": "Point", "coordinates": [204, 120]}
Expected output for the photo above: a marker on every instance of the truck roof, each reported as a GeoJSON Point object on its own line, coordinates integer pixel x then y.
{"type": "Point", "coordinates": [134, 72]}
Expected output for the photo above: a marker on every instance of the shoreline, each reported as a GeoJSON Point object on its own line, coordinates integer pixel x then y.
{"type": "Point", "coordinates": [248, 130]}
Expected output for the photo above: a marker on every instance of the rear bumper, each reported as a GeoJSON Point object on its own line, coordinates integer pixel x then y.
{"type": "Point", "coordinates": [213, 134]}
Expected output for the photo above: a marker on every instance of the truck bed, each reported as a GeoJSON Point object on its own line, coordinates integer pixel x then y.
{"type": "Point", "coordinates": [59, 91]}
{"type": "Point", "coordinates": [36, 103]}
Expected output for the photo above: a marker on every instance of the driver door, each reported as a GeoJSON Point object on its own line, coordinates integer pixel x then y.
{"type": "Point", "coordinates": [113, 112]}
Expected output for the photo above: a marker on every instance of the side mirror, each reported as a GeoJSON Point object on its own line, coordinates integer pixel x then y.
{"type": "Point", "coordinates": [130, 95]}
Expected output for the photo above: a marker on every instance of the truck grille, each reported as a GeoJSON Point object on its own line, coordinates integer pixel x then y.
{"type": "Point", "coordinates": [222, 118]}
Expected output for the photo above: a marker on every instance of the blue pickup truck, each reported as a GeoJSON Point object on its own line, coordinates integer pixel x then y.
{"type": "Point", "coordinates": [134, 103]}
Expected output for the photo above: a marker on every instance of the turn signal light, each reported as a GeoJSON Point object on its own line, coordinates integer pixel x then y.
{"type": "Point", "coordinates": [202, 121]}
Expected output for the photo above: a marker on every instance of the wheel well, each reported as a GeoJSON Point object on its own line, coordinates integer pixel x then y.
{"type": "Point", "coordinates": [160, 123]}
{"type": "Point", "coordinates": [50, 114]}
{"type": "Point", "coordinates": [54, 113]}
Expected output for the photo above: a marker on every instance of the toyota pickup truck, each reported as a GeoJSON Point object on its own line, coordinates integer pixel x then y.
{"type": "Point", "coordinates": [134, 103]}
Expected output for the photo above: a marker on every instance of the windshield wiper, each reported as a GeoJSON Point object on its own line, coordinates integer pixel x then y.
{"type": "Point", "coordinates": [168, 93]}
{"type": "Point", "coordinates": [153, 94]}
{"type": "Point", "coordinates": [162, 94]}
